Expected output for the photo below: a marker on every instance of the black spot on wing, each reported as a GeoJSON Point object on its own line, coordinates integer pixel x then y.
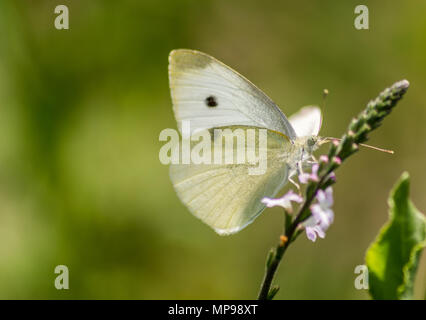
{"type": "Point", "coordinates": [211, 101]}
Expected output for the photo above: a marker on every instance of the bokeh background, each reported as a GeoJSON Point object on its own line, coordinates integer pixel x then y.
{"type": "Point", "coordinates": [80, 115]}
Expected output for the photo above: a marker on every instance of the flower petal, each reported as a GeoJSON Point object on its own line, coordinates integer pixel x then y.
{"type": "Point", "coordinates": [321, 216]}
{"type": "Point", "coordinates": [337, 160]}
{"type": "Point", "coordinates": [321, 196]}
{"type": "Point", "coordinates": [329, 196]}
{"type": "Point", "coordinates": [279, 202]}
{"type": "Point", "coordinates": [304, 177]}
{"type": "Point", "coordinates": [284, 201]}
{"type": "Point", "coordinates": [315, 168]}
{"type": "Point", "coordinates": [320, 232]}
{"type": "Point", "coordinates": [310, 222]}
{"type": "Point", "coordinates": [310, 233]}
{"type": "Point", "coordinates": [323, 158]}
{"type": "Point", "coordinates": [291, 196]}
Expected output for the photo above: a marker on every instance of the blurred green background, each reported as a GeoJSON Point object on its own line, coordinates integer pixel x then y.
{"type": "Point", "coordinates": [80, 115]}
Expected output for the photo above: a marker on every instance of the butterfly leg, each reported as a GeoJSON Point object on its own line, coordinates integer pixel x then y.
{"type": "Point", "coordinates": [296, 184]}
{"type": "Point", "coordinates": [299, 167]}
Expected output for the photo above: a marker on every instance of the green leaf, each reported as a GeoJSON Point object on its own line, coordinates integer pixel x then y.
{"type": "Point", "coordinates": [272, 292]}
{"type": "Point", "coordinates": [393, 258]}
{"type": "Point", "coordinates": [270, 257]}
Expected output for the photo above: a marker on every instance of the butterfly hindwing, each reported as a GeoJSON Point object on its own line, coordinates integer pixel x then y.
{"type": "Point", "coordinates": [225, 196]}
{"type": "Point", "coordinates": [307, 121]}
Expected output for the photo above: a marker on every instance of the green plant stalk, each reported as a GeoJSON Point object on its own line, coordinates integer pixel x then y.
{"type": "Point", "coordinates": [358, 130]}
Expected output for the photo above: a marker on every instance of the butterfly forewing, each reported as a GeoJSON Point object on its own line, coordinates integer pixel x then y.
{"type": "Point", "coordinates": [210, 94]}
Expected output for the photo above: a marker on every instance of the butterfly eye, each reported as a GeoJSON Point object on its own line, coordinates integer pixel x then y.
{"type": "Point", "coordinates": [311, 141]}
{"type": "Point", "coordinates": [211, 101]}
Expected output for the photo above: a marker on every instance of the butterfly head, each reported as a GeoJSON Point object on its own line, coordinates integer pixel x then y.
{"type": "Point", "coordinates": [306, 146]}
{"type": "Point", "coordinates": [312, 143]}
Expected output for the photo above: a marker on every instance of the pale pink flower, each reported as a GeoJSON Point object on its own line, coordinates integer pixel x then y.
{"type": "Point", "coordinates": [322, 215]}
{"type": "Point", "coordinates": [284, 201]}
{"type": "Point", "coordinates": [313, 176]}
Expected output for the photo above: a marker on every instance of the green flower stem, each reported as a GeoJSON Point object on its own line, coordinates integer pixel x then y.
{"type": "Point", "coordinates": [358, 130]}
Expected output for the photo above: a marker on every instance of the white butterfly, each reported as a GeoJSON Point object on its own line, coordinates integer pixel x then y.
{"type": "Point", "coordinates": [211, 95]}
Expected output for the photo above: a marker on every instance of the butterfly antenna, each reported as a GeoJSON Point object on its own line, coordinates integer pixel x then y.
{"type": "Point", "coordinates": [330, 139]}
{"type": "Point", "coordinates": [324, 96]}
